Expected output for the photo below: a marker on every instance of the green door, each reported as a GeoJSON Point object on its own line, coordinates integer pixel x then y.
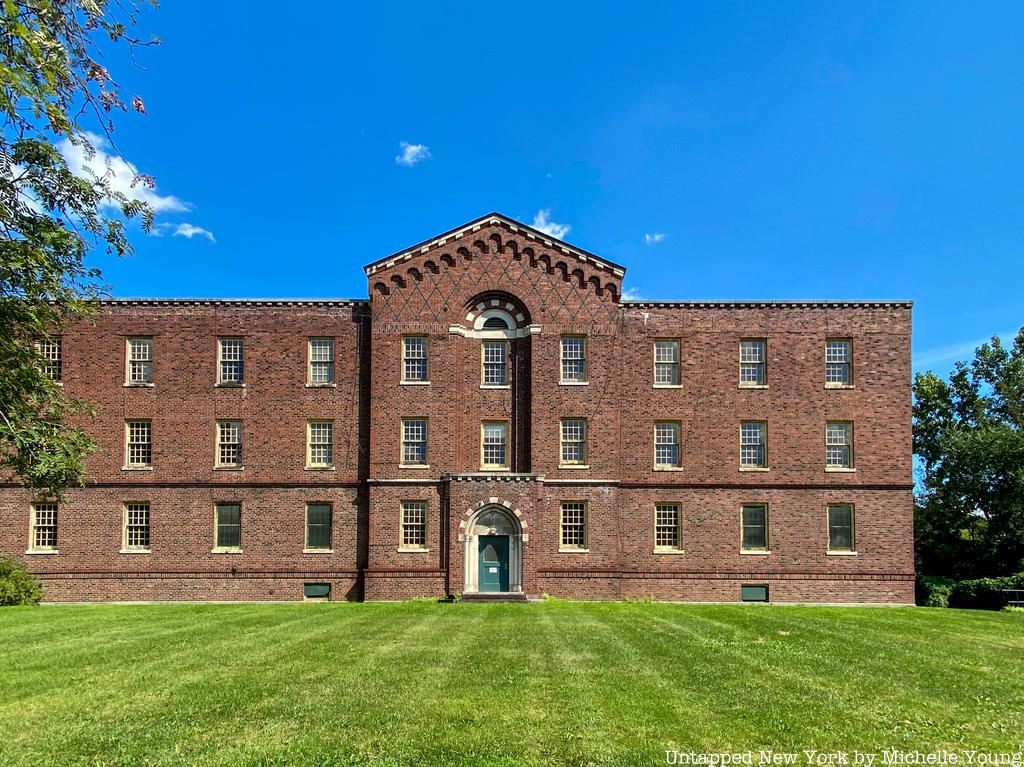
{"type": "Point", "coordinates": [493, 563]}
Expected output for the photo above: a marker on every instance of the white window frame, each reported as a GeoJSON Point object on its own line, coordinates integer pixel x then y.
{"type": "Point", "coordinates": [138, 366]}
{"type": "Point", "coordinates": [412, 525]}
{"type": "Point", "coordinates": [129, 443]}
{"type": "Point", "coordinates": [222, 360]}
{"type": "Point", "coordinates": [314, 427]}
{"type": "Point", "coordinates": [757, 363]}
{"type": "Point", "coordinates": [577, 527]}
{"type": "Point", "coordinates": [852, 549]}
{"type": "Point", "coordinates": [487, 365]}
{"type": "Point", "coordinates": [235, 429]}
{"type": "Point", "coordinates": [308, 548]}
{"type": "Point", "coordinates": [754, 440]}
{"type": "Point", "coordinates": [831, 443]}
{"type": "Point", "coordinates": [423, 354]}
{"type": "Point", "coordinates": [52, 524]}
{"type": "Point", "coordinates": [583, 377]}
{"type": "Point", "coordinates": [405, 426]}
{"type": "Point", "coordinates": [51, 349]}
{"type": "Point", "coordinates": [675, 364]}
{"type": "Point", "coordinates": [834, 363]}
{"type": "Point", "coordinates": [217, 548]}
{"type": "Point", "coordinates": [127, 544]}
{"type": "Point", "coordinates": [570, 439]}
{"type": "Point", "coordinates": [766, 549]}
{"type": "Point", "coordinates": [485, 444]}
{"type": "Point", "coordinates": [661, 509]}
{"type": "Point", "coordinates": [316, 362]}
{"type": "Point", "coordinates": [659, 441]}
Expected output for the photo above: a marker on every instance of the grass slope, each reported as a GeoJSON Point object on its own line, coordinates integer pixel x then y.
{"type": "Point", "coordinates": [552, 683]}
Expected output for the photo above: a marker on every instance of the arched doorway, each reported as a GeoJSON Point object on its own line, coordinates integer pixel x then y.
{"type": "Point", "coordinates": [494, 552]}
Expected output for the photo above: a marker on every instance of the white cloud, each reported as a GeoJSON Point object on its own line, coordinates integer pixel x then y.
{"type": "Point", "coordinates": [190, 231]}
{"type": "Point", "coordinates": [632, 294]}
{"type": "Point", "coordinates": [542, 222]}
{"type": "Point", "coordinates": [653, 238]}
{"type": "Point", "coordinates": [411, 153]}
{"type": "Point", "coordinates": [119, 174]}
{"type": "Point", "coordinates": [963, 350]}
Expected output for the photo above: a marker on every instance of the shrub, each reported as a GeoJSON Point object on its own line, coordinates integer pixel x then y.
{"type": "Point", "coordinates": [933, 590]}
{"type": "Point", "coordinates": [17, 586]}
{"type": "Point", "coordinates": [984, 593]}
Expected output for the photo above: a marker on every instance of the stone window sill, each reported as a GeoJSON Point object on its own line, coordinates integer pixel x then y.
{"type": "Point", "coordinates": [754, 552]}
{"type": "Point", "coordinates": [571, 466]}
{"type": "Point", "coordinates": [839, 470]}
{"type": "Point", "coordinates": [225, 551]}
{"type": "Point", "coordinates": [667, 386]}
{"type": "Point", "coordinates": [319, 468]}
{"type": "Point", "coordinates": [229, 385]}
{"type": "Point", "coordinates": [139, 385]}
{"type": "Point", "coordinates": [668, 468]}
{"type": "Point", "coordinates": [321, 386]}
{"type": "Point", "coordinates": [229, 468]}
{"type": "Point", "coordinates": [752, 386]}
{"type": "Point", "coordinates": [574, 383]}
{"type": "Point", "coordinates": [574, 551]}
{"type": "Point", "coordinates": [669, 551]}
{"type": "Point", "coordinates": [842, 553]}
{"type": "Point", "coordinates": [42, 552]}
{"type": "Point", "coordinates": [414, 466]}
{"type": "Point", "coordinates": [412, 550]}
{"type": "Point", "coordinates": [136, 468]}
{"type": "Point", "coordinates": [496, 386]}
{"type": "Point", "coordinates": [318, 551]}
{"type": "Point", "coordinates": [414, 383]}
{"type": "Point", "coordinates": [494, 468]}
{"type": "Point", "coordinates": [839, 386]}
{"type": "Point", "coordinates": [135, 551]}
{"type": "Point", "coordinates": [754, 468]}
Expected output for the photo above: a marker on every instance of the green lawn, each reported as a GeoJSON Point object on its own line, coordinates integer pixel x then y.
{"type": "Point", "coordinates": [551, 683]}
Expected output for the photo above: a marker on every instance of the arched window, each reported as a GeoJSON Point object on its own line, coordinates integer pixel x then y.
{"type": "Point", "coordinates": [496, 323]}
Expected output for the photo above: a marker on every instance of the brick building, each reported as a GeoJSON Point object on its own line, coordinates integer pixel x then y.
{"type": "Point", "coordinates": [494, 418]}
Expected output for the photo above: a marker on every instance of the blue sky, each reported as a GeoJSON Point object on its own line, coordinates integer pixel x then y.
{"type": "Point", "coordinates": [717, 150]}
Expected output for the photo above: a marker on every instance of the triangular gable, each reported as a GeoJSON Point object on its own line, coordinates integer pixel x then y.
{"type": "Point", "coordinates": [513, 226]}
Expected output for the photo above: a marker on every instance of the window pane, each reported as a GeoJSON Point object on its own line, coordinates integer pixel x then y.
{"type": "Point", "coordinates": [666, 363]}
{"type": "Point", "coordinates": [840, 527]}
{"type": "Point", "coordinates": [414, 524]}
{"type": "Point", "coordinates": [495, 363]}
{"type": "Point", "coordinates": [838, 362]}
{"type": "Point", "coordinates": [321, 360]}
{"type": "Point", "coordinates": [136, 533]}
{"type": "Point", "coordinates": [839, 444]}
{"type": "Point", "coordinates": [50, 351]}
{"type": "Point", "coordinates": [229, 526]}
{"type": "Point", "coordinates": [666, 444]}
{"type": "Point", "coordinates": [574, 358]}
{"type": "Point", "coordinates": [574, 441]}
{"type": "Point", "coordinates": [666, 526]}
{"type": "Point", "coordinates": [44, 526]}
{"type": "Point", "coordinates": [752, 445]}
{"type": "Point", "coordinates": [140, 444]}
{"type": "Point", "coordinates": [574, 525]}
{"type": "Point", "coordinates": [755, 527]}
{"type": "Point", "coordinates": [231, 360]}
{"type": "Point", "coordinates": [414, 441]}
{"type": "Point", "coordinates": [321, 443]}
{"type": "Point", "coordinates": [414, 358]}
{"type": "Point", "coordinates": [318, 526]}
{"type": "Point", "coordinates": [140, 360]}
{"type": "Point", "coordinates": [752, 362]}
{"type": "Point", "coordinates": [494, 446]}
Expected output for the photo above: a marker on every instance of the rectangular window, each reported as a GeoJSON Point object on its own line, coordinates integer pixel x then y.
{"type": "Point", "coordinates": [574, 359]}
{"type": "Point", "coordinates": [838, 362]}
{"type": "Point", "coordinates": [139, 444]}
{"type": "Point", "coordinates": [49, 349]}
{"type": "Point", "coordinates": [140, 361]}
{"type": "Point", "coordinates": [230, 361]}
{"type": "Point", "coordinates": [666, 363]}
{"type": "Point", "coordinates": [666, 445]}
{"type": "Point", "coordinates": [666, 527]}
{"type": "Point", "coordinates": [321, 443]}
{"type": "Point", "coordinates": [321, 361]}
{"type": "Point", "coordinates": [228, 522]}
{"type": "Point", "coordinates": [136, 527]}
{"type": "Point", "coordinates": [414, 358]}
{"type": "Point", "coordinates": [414, 441]}
{"type": "Point", "coordinates": [414, 525]}
{"type": "Point", "coordinates": [574, 526]}
{"type": "Point", "coordinates": [229, 443]}
{"type": "Point", "coordinates": [839, 445]}
{"type": "Point", "coordinates": [318, 526]}
{"type": "Point", "coordinates": [574, 442]}
{"type": "Point", "coordinates": [753, 451]}
{"type": "Point", "coordinates": [840, 527]}
{"type": "Point", "coordinates": [494, 445]}
{"type": "Point", "coordinates": [494, 355]}
{"type": "Point", "coordinates": [755, 527]}
{"type": "Point", "coordinates": [44, 527]}
{"type": "Point", "coordinates": [753, 355]}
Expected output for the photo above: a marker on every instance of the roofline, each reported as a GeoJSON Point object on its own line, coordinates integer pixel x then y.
{"type": "Point", "coordinates": [774, 303]}
{"type": "Point", "coordinates": [236, 301]}
{"type": "Point", "coordinates": [495, 218]}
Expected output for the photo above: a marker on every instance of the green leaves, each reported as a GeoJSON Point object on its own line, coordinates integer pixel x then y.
{"type": "Point", "coordinates": [969, 434]}
{"type": "Point", "coordinates": [51, 219]}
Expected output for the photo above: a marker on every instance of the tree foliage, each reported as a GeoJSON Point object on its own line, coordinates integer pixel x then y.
{"type": "Point", "coordinates": [53, 88]}
{"type": "Point", "coordinates": [969, 437]}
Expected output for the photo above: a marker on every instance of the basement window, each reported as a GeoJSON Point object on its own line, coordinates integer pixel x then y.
{"type": "Point", "coordinates": [316, 592]}
{"type": "Point", "coordinates": [754, 592]}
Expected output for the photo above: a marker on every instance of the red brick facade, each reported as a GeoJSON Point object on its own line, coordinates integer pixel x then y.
{"type": "Point", "coordinates": [444, 290]}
